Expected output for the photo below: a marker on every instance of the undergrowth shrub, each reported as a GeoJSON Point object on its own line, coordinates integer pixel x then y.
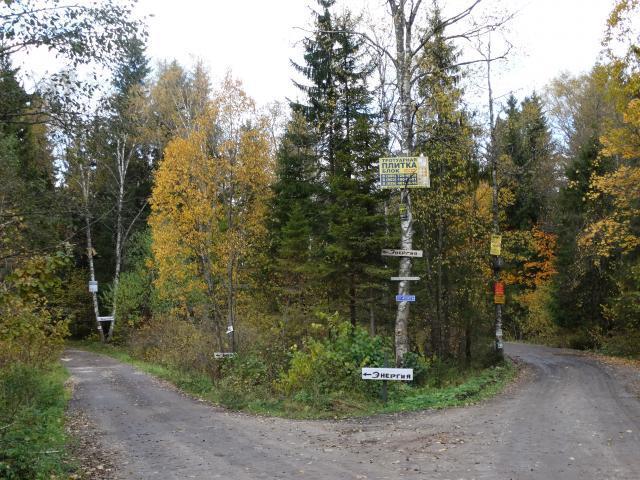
{"type": "Point", "coordinates": [329, 367]}
{"type": "Point", "coordinates": [32, 439]}
{"type": "Point", "coordinates": [623, 344]}
{"type": "Point", "coordinates": [176, 343]}
{"type": "Point", "coordinates": [250, 377]}
{"type": "Point", "coordinates": [29, 333]}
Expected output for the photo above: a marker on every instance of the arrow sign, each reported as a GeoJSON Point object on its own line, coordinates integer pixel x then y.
{"type": "Point", "coordinates": [398, 374]}
{"type": "Point", "coordinates": [387, 252]}
{"type": "Point", "coordinates": [405, 298]}
{"type": "Point", "coordinates": [219, 355]}
{"type": "Point", "coordinates": [402, 279]}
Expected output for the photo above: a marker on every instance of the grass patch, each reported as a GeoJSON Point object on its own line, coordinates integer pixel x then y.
{"type": "Point", "coordinates": [32, 436]}
{"type": "Point", "coordinates": [452, 388]}
{"type": "Point", "coordinates": [475, 387]}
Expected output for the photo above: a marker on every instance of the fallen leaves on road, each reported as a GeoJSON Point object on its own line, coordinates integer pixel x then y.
{"type": "Point", "coordinates": [93, 460]}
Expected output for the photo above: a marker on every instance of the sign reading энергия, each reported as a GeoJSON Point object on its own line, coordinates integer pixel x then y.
{"type": "Point", "coordinates": [374, 373]}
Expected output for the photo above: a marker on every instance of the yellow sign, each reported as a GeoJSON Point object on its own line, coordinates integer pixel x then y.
{"type": "Point", "coordinates": [496, 245]}
{"type": "Point", "coordinates": [404, 172]}
{"type": "Point", "coordinates": [498, 299]}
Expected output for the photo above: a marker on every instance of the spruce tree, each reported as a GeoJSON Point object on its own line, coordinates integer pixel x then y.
{"type": "Point", "coordinates": [327, 168]}
{"type": "Point", "coordinates": [451, 270]}
{"type": "Point", "coordinates": [525, 138]}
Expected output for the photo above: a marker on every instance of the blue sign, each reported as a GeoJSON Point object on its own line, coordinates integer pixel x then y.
{"type": "Point", "coordinates": [405, 298]}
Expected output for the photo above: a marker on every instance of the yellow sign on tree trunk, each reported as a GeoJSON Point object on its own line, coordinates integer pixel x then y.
{"type": "Point", "coordinates": [496, 245]}
{"type": "Point", "coordinates": [404, 172]}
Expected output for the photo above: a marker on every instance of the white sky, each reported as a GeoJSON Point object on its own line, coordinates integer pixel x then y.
{"type": "Point", "coordinates": [256, 38]}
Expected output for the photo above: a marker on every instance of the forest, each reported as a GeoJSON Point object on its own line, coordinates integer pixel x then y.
{"type": "Point", "coordinates": [206, 223]}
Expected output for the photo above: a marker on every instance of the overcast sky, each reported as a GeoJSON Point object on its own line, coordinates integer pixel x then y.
{"type": "Point", "coordinates": [256, 38]}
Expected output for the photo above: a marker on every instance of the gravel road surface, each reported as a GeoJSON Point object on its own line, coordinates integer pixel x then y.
{"type": "Point", "coordinates": [570, 417]}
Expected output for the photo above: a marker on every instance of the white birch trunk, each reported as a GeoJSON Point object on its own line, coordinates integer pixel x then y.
{"type": "Point", "coordinates": [493, 157]}
{"type": "Point", "coordinates": [123, 159]}
{"type": "Point", "coordinates": [85, 187]}
{"type": "Point", "coordinates": [122, 166]}
{"type": "Point", "coordinates": [403, 61]}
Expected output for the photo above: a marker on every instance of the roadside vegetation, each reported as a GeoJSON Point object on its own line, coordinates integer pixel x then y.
{"type": "Point", "coordinates": [32, 435]}
{"type": "Point", "coordinates": [207, 224]}
{"type": "Point", "coordinates": [322, 380]}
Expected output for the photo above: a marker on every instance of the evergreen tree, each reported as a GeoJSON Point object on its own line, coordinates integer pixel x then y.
{"type": "Point", "coordinates": [28, 194]}
{"type": "Point", "coordinates": [446, 217]}
{"type": "Point", "coordinates": [525, 139]}
{"type": "Point", "coordinates": [579, 288]}
{"type": "Point", "coordinates": [327, 166]}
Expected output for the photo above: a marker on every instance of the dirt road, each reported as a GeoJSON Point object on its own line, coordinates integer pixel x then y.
{"type": "Point", "coordinates": [571, 418]}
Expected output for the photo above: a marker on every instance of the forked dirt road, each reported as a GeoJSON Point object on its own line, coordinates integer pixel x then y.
{"type": "Point", "coordinates": [572, 417]}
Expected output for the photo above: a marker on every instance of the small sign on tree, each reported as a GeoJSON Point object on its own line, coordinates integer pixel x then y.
{"type": "Point", "coordinates": [496, 245]}
{"type": "Point", "coordinates": [498, 293]}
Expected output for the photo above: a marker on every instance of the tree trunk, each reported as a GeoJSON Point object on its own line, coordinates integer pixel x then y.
{"type": "Point", "coordinates": [123, 158]}
{"type": "Point", "coordinates": [212, 311]}
{"type": "Point", "coordinates": [85, 186]}
{"type": "Point", "coordinates": [439, 292]}
{"type": "Point", "coordinates": [493, 156]}
{"type": "Point", "coordinates": [231, 301]}
{"type": "Point", "coordinates": [122, 172]}
{"type": "Point", "coordinates": [403, 57]}
{"type": "Point", "coordinates": [402, 316]}
{"type": "Point", "coordinates": [92, 276]}
{"type": "Point", "coordinates": [352, 301]}
{"type": "Point", "coordinates": [372, 316]}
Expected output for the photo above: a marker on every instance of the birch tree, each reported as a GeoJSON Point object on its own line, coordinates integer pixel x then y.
{"type": "Point", "coordinates": [209, 204]}
{"type": "Point", "coordinates": [411, 33]}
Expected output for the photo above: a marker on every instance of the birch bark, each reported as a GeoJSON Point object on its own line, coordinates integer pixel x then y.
{"type": "Point", "coordinates": [403, 63]}
{"type": "Point", "coordinates": [85, 187]}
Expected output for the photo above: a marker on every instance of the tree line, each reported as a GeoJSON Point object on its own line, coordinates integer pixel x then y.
{"type": "Point", "coordinates": [213, 225]}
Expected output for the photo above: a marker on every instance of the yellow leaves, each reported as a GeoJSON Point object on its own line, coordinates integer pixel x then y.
{"type": "Point", "coordinates": [613, 232]}
{"type": "Point", "coordinates": [624, 141]}
{"type": "Point", "coordinates": [619, 10]}
{"type": "Point", "coordinates": [621, 27]}
{"type": "Point", "coordinates": [606, 236]}
{"type": "Point", "coordinates": [533, 254]}
{"type": "Point", "coordinates": [210, 196]}
{"type": "Point", "coordinates": [616, 195]}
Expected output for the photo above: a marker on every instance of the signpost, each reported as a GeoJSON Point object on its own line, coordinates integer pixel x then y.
{"type": "Point", "coordinates": [397, 374]}
{"type": "Point", "coordinates": [104, 319]}
{"type": "Point", "coordinates": [384, 374]}
{"type": "Point", "coordinates": [387, 252]}
{"type": "Point", "coordinates": [405, 298]}
{"type": "Point", "coordinates": [404, 172]}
